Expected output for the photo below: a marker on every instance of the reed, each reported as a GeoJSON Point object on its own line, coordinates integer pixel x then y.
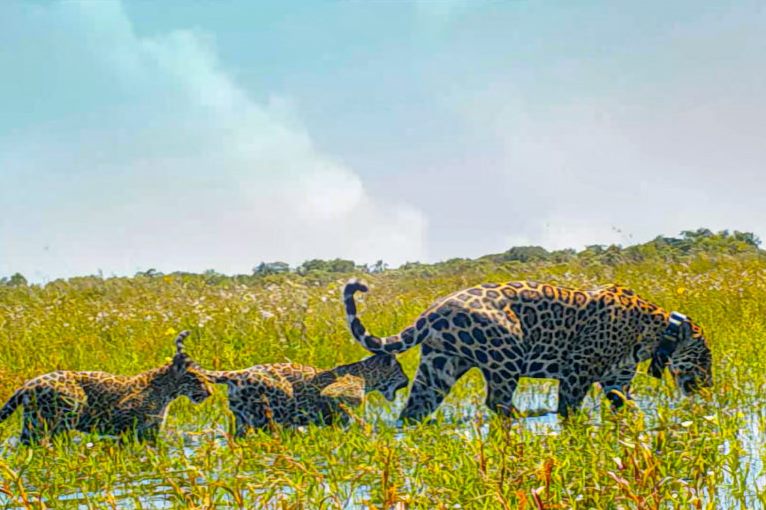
{"type": "Point", "coordinates": [666, 452]}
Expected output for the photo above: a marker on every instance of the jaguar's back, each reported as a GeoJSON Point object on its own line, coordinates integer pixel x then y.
{"type": "Point", "coordinates": [293, 395]}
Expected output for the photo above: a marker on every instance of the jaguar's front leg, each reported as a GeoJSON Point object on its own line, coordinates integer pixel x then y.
{"type": "Point", "coordinates": [240, 426]}
{"type": "Point", "coordinates": [573, 386]}
{"type": "Point", "coordinates": [244, 418]}
{"type": "Point", "coordinates": [615, 384]}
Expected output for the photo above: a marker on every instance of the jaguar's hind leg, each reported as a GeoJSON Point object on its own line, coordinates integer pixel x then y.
{"type": "Point", "coordinates": [48, 414]}
{"type": "Point", "coordinates": [573, 387]}
{"type": "Point", "coordinates": [243, 422]}
{"type": "Point", "coordinates": [500, 392]}
{"type": "Point", "coordinates": [436, 375]}
{"type": "Point", "coordinates": [32, 431]}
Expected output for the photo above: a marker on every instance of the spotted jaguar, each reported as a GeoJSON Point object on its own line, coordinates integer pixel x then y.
{"type": "Point", "coordinates": [578, 337]}
{"type": "Point", "coordinates": [294, 395]}
{"type": "Point", "coordinates": [104, 403]}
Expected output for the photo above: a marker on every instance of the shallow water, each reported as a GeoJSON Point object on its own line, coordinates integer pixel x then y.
{"type": "Point", "coordinates": [743, 471]}
{"type": "Point", "coordinates": [752, 444]}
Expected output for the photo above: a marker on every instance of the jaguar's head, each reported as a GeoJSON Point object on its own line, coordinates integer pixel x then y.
{"type": "Point", "coordinates": [683, 349]}
{"type": "Point", "coordinates": [384, 373]}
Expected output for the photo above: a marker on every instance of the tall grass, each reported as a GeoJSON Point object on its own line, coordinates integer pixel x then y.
{"type": "Point", "coordinates": [667, 452]}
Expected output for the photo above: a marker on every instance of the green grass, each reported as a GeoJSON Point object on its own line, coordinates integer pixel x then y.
{"type": "Point", "coordinates": [669, 452]}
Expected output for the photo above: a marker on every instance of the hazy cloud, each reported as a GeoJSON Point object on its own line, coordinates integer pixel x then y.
{"type": "Point", "coordinates": [173, 166]}
{"type": "Point", "coordinates": [623, 168]}
{"type": "Point", "coordinates": [657, 130]}
{"type": "Point", "coordinates": [404, 133]}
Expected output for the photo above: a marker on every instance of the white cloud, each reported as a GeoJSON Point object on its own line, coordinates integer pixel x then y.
{"type": "Point", "coordinates": [627, 165]}
{"type": "Point", "coordinates": [178, 169]}
{"type": "Point", "coordinates": [131, 151]}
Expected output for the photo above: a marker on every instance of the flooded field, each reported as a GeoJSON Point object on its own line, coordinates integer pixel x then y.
{"type": "Point", "coordinates": [717, 451]}
{"type": "Point", "coordinates": [667, 451]}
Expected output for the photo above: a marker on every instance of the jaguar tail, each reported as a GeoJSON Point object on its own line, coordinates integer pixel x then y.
{"type": "Point", "coordinates": [15, 401]}
{"type": "Point", "coordinates": [390, 344]}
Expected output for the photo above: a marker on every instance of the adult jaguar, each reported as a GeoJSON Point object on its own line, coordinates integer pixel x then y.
{"type": "Point", "coordinates": [106, 403]}
{"type": "Point", "coordinates": [293, 395]}
{"type": "Point", "coordinates": [542, 331]}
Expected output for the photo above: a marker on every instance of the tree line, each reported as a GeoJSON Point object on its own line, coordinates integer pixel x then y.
{"type": "Point", "coordinates": [688, 242]}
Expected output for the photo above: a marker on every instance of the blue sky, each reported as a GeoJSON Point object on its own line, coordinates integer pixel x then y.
{"type": "Point", "coordinates": [196, 135]}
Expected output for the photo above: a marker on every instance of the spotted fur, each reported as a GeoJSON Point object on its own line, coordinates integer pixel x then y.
{"type": "Point", "coordinates": [105, 403]}
{"type": "Point", "coordinates": [294, 395]}
{"type": "Point", "coordinates": [517, 329]}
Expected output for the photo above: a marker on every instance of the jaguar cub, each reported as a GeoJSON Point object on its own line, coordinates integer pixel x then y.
{"type": "Point", "coordinates": [294, 395]}
{"type": "Point", "coordinates": [105, 403]}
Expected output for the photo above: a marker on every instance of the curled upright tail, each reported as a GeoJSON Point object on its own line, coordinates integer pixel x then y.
{"type": "Point", "coordinates": [391, 344]}
{"type": "Point", "coordinates": [180, 341]}
{"type": "Point", "coordinates": [10, 406]}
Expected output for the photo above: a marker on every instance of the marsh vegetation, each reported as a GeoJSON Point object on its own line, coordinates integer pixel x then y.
{"type": "Point", "coordinates": [666, 452]}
